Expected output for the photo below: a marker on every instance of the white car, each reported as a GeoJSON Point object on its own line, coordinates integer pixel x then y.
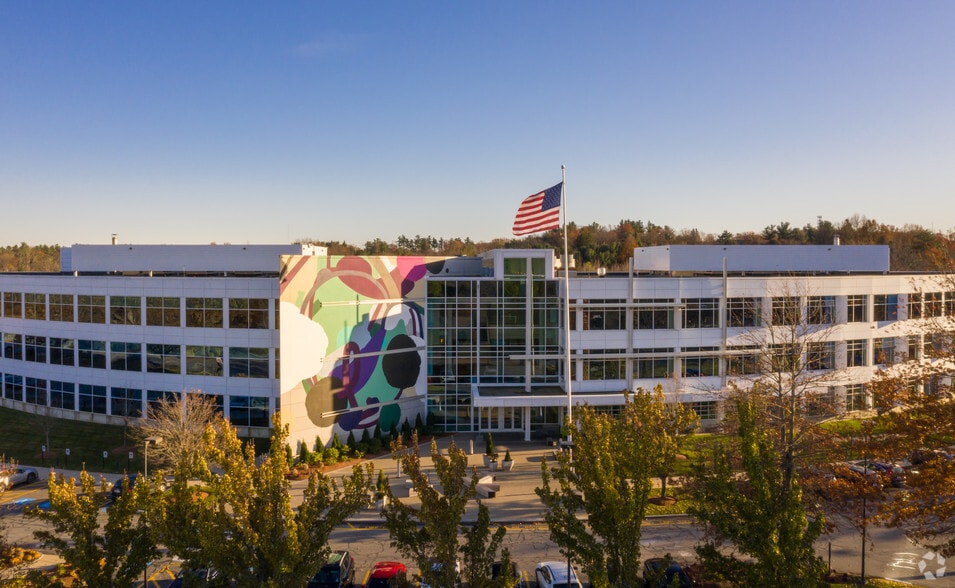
{"type": "Point", "coordinates": [12, 476]}
{"type": "Point", "coordinates": [553, 574]}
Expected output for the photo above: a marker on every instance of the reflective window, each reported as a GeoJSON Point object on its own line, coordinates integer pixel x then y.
{"type": "Point", "coordinates": [163, 359]}
{"type": "Point", "coordinates": [34, 391]}
{"type": "Point", "coordinates": [126, 356]}
{"type": "Point", "coordinates": [163, 312]}
{"type": "Point", "coordinates": [701, 313]}
{"type": "Point", "coordinates": [204, 313]}
{"type": "Point", "coordinates": [857, 352]}
{"type": "Point", "coordinates": [13, 387]}
{"type": "Point", "coordinates": [34, 306]}
{"type": "Point", "coordinates": [92, 399]}
{"type": "Point", "coordinates": [125, 310]}
{"type": "Point", "coordinates": [857, 308]}
{"type": "Point", "coordinates": [13, 304]}
{"type": "Point", "coordinates": [249, 411]}
{"type": "Point", "coordinates": [203, 360]}
{"type": "Point", "coordinates": [92, 354]}
{"type": "Point", "coordinates": [820, 356]}
{"type": "Point", "coordinates": [61, 307]}
{"type": "Point", "coordinates": [248, 313]}
{"type": "Point", "coordinates": [786, 311]}
{"type": "Point", "coordinates": [648, 316]}
{"type": "Point", "coordinates": [63, 395]}
{"type": "Point", "coordinates": [856, 397]}
{"type": "Point", "coordinates": [743, 312]}
{"type": "Point", "coordinates": [126, 402]}
{"type": "Point", "coordinates": [249, 362]}
{"type": "Point", "coordinates": [820, 310]}
{"type": "Point", "coordinates": [12, 346]}
{"type": "Point", "coordinates": [91, 309]}
{"type": "Point", "coordinates": [62, 351]}
{"type": "Point", "coordinates": [885, 307]}
{"type": "Point", "coordinates": [34, 348]}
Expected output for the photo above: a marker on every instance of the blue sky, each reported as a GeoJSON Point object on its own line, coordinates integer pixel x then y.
{"type": "Point", "coordinates": [242, 122]}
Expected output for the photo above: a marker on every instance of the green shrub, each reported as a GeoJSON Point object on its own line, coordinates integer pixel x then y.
{"type": "Point", "coordinates": [332, 456]}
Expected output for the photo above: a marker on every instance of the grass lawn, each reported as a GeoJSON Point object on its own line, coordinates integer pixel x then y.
{"type": "Point", "coordinates": [22, 435]}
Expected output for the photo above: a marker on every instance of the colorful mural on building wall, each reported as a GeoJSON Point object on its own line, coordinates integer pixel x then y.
{"type": "Point", "coordinates": [353, 343]}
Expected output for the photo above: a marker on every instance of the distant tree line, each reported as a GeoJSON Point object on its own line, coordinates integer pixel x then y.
{"type": "Point", "coordinates": [912, 247]}
{"type": "Point", "coordinates": [27, 258]}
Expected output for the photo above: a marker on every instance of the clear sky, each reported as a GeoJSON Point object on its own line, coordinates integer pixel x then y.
{"type": "Point", "coordinates": [267, 122]}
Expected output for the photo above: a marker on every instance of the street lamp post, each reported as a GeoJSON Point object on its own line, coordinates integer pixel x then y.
{"type": "Point", "coordinates": [146, 443]}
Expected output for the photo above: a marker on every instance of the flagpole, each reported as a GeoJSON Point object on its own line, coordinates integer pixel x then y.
{"type": "Point", "coordinates": [563, 203]}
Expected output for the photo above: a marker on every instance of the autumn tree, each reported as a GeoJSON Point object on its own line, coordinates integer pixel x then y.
{"type": "Point", "coordinates": [100, 554]}
{"type": "Point", "coordinates": [12, 558]}
{"type": "Point", "coordinates": [180, 421]}
{"type": "Point", "coordinates": [241, 517]}
{"type": "Point", "coordinates": [607, 478]}
{"type": "Point", "coordinates": [788, 366]}
{"type": "Point", "coordinates": [757, 530]}
{"type": "Point", "coordinates": [676, 424]}
{"type": "Point", "coordinates": [915, 401]}
{"type": "Point", "coordinates": [429, 534]}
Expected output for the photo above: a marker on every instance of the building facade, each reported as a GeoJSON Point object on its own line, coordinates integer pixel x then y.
{"type": "Point", "coordinates": [350, 344]}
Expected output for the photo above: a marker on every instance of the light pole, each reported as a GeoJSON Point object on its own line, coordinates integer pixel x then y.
{"type": "Point", "coordinates": [146, 443]}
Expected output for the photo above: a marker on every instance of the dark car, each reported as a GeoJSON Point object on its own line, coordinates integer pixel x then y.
{"type": "Point", "coordinates": [193, 577]}
{"type": "Point", "coordinates": [660, 572]}
{"type": "Point", "coordinates": [338, 572]}
{"type": "Point", "coordinates": [118, 488]}
{"type": "Point", "coordinates": [924, 455]}
{"type": "Point", "coordinates": [890, 472]}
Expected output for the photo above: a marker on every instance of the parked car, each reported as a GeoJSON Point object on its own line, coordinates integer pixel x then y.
{"type": "Point", "coordinates": [892, 474]}
{"type": "Point", "coordinates": [661, 572]}
{"type": "Point", "coordinates": [193, 577]}
{"type": "Point", "coordinates": [497, 570]}
{"type": "Point", "coordinates": [436, 566]}
{"type": "Point", "coordinates": [338, 572]}
{"type": "Point", "coordinates": [855, 473]}
{"type": "Point", "coordinates": [386, 574]}
{"type": "Point", "coordinates": [922, 455]}
{"type": "Point", "coordinates": [15, 475]}
{"type": "Point", "coordinates": [554, 574]}
{"type": "Point", "coordinates": [117, 490]}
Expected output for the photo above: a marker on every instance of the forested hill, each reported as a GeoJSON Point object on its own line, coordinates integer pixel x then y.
{"type": "Point", "coordinates": [27, 258]}
{"type": "Point", "coordinates": [913, 248]}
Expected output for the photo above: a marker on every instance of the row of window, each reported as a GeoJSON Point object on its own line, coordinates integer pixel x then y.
{"type": "Point", "coordinates": [703, 362]}
{"type": "Point", "coordinates": [158, 311]}
{"type": "Point", "coordinates": [702, 313]}
{"type": "Point", "coordinates": [160, 358]}
{"type": "Point", "coordinates": [246, 411]}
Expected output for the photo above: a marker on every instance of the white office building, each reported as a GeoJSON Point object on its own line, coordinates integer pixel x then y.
{"type": "Point", "coordinates": [351, 344]}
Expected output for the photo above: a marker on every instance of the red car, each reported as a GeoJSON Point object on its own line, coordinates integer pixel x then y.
{"type": "Point", "coordinates": [386, 574]}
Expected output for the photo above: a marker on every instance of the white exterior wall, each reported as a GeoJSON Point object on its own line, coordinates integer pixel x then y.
{"type": "Point", "coordinates": [765, 288]}
{"type": "Point", "coordinates": [142, 286]}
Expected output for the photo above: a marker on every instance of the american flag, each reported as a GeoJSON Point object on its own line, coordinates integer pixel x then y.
{"type": "Point", "coordinates": [539, 212]}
